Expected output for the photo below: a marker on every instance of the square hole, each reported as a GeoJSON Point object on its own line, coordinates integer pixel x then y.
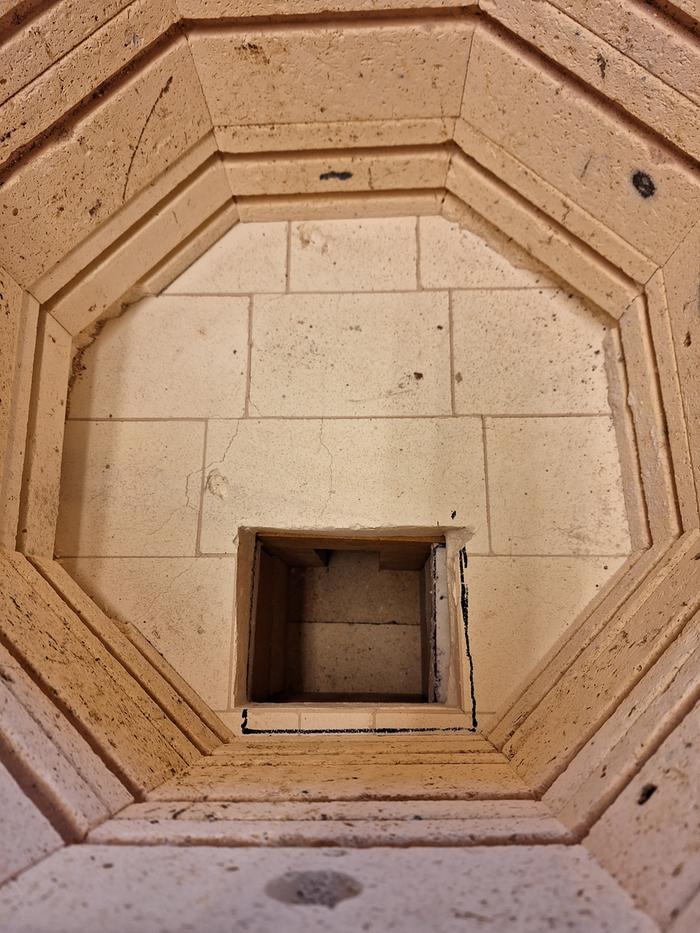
{"type": "Point", "coordinates": [347, 619]}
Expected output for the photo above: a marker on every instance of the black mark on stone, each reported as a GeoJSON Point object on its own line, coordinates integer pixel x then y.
{"type": "Point", "coordinates": [317, 888]}
{"type": "Point", "coordinates": [418, 376]}
{"type": "Point", "coordinates": [646, 792]}
{"type": "Point", "coordinates": [602, 64]}
{"type": "Point", "coordinates": [688, 339]}
{"type": "Point", "coordinates": [453, 514]}
{"type": "Point", "coordinates": [644, 184]}
{"type": "Point", "coordinates": [338, 176]}
{"type": "Point", "coordinates": [464, 605]}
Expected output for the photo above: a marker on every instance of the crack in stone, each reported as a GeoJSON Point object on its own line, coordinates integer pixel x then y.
{"type": "Point", "coordinates": [161, 94]}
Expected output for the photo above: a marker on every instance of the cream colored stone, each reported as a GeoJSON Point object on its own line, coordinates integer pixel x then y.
{"type": "Point", "coordinates": [191, 249]}
{"type": "Point", "coordinates": [579, 147]}
{"type": "Point", "coordinates": [358, 204]}
{"type": "Point", "coordinates": [645, 402]}
{"type": "Point", "coordinates": [214, 888]}
{"type": "Point", "coordinates": [554, 486]}
{"type": "Point", "coordinates": [669, 380]}
{"type": "Point", "coordinates": [361, 354]}
{"type": "Point", "coordinates": [426, 718]}
{"type": "Point", "coordinates": [290, 137]}
{"type": "Point", "coordinates": [43, 771]}
{"type": "Point", "coordinates": [28, 835]}
{"type": "Point", "coordinates": [344, 255]}
{"type": "Point", "coordinates": [216, 9]}
{"type": "Point", "coordinates": [251, 257]}
{"type": "Point", "coordinates": [611, 758]}
{"type": "Point", "coordinates": [609, 70]}
{"type": "Point", "coordinates": [688, 919]}
{"type": "Point", "coordinates": [183, 606]}
{"type": "Point", "coordinates": [608, 669]}
{"type": "Point", "coordinates": [571, 261]}
{"type": "Point", "coordinates": [546, 197]}
{"type": "Point", "coordinates": [454, 257]}
{"type": "Point", "coordinates": [54, 32]}
{"type": "Point", "coordinates": [59, 734]}
{"type": "Point", "coordinates": [518, 608]}
{"type": "Point", "coordinates": [130, 214]}
{"type": "Point", "coordinates": [47, 412]}
{"type": "Point", "coordinates": [138, 664]}
{"type": "Point", "coordinates": [101, 286]}
{"type": "Point", "coordinates": [199, 370]}
{"type": "Point", "coordinates": [107, 158]}
{"type": "Point", "coordinates": [343, 658]}
{"type": "Point", "coordinates": [18, 325]}
{"type": "Point", "coordinates": [264, 719]}
{"type": "Point", "coordinates": [354, 72]}
{"type": "Point", "coordinates": [527, 351]}
{"type": "Point", "coordinates": [319, 719]}
{"type": "Point", "coordinates": [649, 839]}
{"type": "Point", "coordinates": [51, 94]}
{"type": "Point", "coordinates": [130, 488]}
{"type": "Point", "coordinates": [359, 170]}
{"type": "Point", "coordinates": [344, 474]}
{"type": "Point", "coordinates": [108, 707]}
{"type": "Point", "coordinates": [618, 396]}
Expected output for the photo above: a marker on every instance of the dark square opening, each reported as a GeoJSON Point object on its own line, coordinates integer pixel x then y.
{"type": "Point", "coordinates": [343, 619]}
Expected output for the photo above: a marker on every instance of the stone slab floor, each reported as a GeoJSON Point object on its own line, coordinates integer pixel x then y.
{"type": "Point", "coordinates": [346, 374]}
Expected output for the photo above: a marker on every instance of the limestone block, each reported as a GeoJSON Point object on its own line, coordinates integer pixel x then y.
{"type": "Point", "coordinates": [317, 719]}
{"type": "Point", "coordinates": [77, 306]}
{"type": "Point", "coordinates": [651, 431]}
{"type": "Point", "coordinates": [404, 170]}
{"type": "Point", "coordinates": [358, 204]}
{"type": "Point", "coordinates": [580, 147]}
{"type": "Point", "coordinates": [47, 412]}
{"type": "Point", "coordinates": [32, 50]}
{"type": "Point", "coordinates": [377, 254]}
{"type": "Point", "coordinates": [637, 573]}
{"type": "Point", "coordinates": [252, 257]}
{"type": "Point", "coordinates": [182, 605]}
{"type": "Point", "coordinates": [216, 9]}
{"type": "Point", "coordinates": [608, 669]}
{"type": "Point", "coordinates": [649, 839]}
{"type": "Point", "coordinates": [681, 275]}
{"type": "Point", "coordinates": [102, 161]}
{"type": "Point", "coordinates": [518, 608]}
{"type": "Point", "coordinates": [191, 249]}
{"type": "Point", "coordinates": [539, 505]}
{"type": "Point", "coordinates": [572, 261]}
{"type": "Point", "coordinates": [44, 101]}
{"type": "Point", "coordinates": [109, 708]}
{"type": "Point", "coordinates": [43, 771]}
{"type": "Point", "coordinates": [646, 36]}
{"type": "Point", "coordinates": [623, 744]}
{"type": "Point", "coordinates": [356, 355]}
{"type": "Point", "coordinates": [455, 256]}
{"type": "Point", "coordinates": [396, 473]}
{"type": "Point", "coordinates": [291, 137]}
{"type": "Point", "coordinates": [27, 835]}
{"type": "Point", "coordinates": [688, 920]}
{"type": "Point", "coordinates": [146, 477]}
{"type": "Point", "coordinates": [361, 72]}
{"type": "Point", "coordinates": [628, 450]}
{"type": "Point", "coordinates": [18, 322]}
{"type": "Point", "coordinates": [669, 380]}
{"type": "Point", "coordinates": [199, 370]}
{"type": "Point", "coordinates": [140, 667]}
{"type": "Point", "coordinates": [527, 351]}
{"type": "Point", "coordinates": [206, 887]}
{"type": "Point", "coordinates": [59, 734]}
{"type": "Point", "coordinates": [552, 202]}
{"type": "Point", "coordinates": [130, 215]}
{"type": "Point", "coordinates": [613, 70]}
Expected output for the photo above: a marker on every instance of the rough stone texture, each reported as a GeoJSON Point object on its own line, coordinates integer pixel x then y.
{"type": "Point", "coordinates": [407, 71]}
{"type": "Point", "coordinates": [649, 839]}
{"type": "Point", "coordinates": [27, 835]}
{"type": "Point", "coordinates": [579, 146]}
{"type": "Point", "coordinates": [105, 159]}
{"type": "Point", "coordinates": [106, 705]}
{"type": "Point", "coordinates": [175, 889]}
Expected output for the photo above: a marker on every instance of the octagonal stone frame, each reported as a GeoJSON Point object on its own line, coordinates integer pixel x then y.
{"type": "Point", "coordinates": [453, 170]}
